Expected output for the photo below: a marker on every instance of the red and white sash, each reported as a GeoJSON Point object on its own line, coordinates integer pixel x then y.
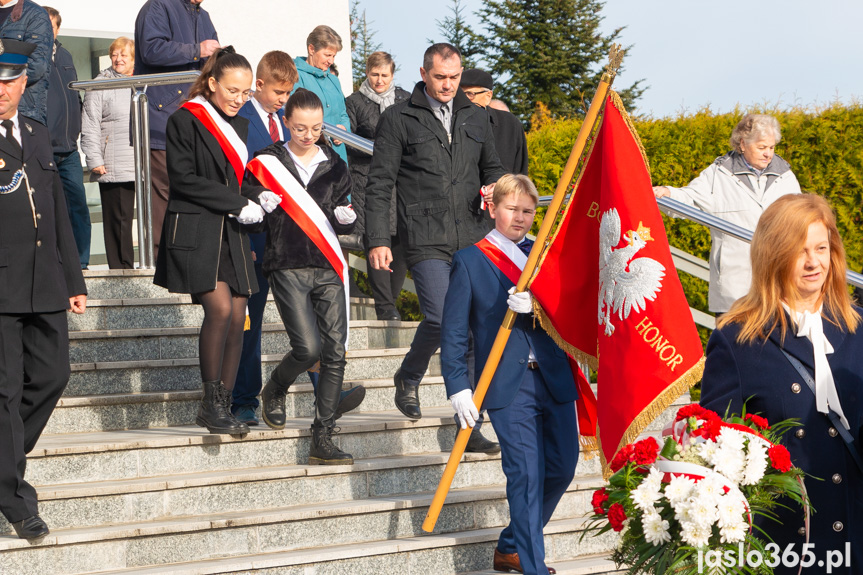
{"type": "Point", "coordinates": [230, 142]}
{"type": "Point", "coordinates": [305, 212]}
{"type": "Point", "coordinates": [510, 260]}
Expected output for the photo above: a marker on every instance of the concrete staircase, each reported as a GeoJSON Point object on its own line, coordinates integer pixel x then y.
{"type": "Point", "coordinates": [128, 485]}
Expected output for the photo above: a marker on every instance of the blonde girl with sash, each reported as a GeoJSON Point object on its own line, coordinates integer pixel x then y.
{"type": "Point", "coordinates": [304, 266]}
{"type": "Point", "coordinates": [204, 248]}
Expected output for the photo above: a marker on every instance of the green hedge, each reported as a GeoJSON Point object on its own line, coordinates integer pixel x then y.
{"type": "Point", "coordinates": [824, 147]}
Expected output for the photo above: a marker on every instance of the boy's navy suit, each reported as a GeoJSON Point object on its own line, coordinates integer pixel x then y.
{"type": "Point", "coordinates": [249, 382]}
{"type": "Point", "coordinates": [532, 410]}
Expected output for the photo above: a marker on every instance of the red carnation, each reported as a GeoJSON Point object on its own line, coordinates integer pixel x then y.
{"type": "Point", "coordinates": [758, 420]}
{"type": "Point", "coordinates": [709, 430]}
{"type": "Point", "coordinates": [780, 459]}
{"type": "Point", "coordinates": [616, 516]}
{"type": "Point", "coordinates": [693, 410]}
{"type": "Point", "coordinates": [646, 451]}
{"type": "Point", "coordinates": [600, 496]}
{"type": "Point", "coordinates": [623, 457]}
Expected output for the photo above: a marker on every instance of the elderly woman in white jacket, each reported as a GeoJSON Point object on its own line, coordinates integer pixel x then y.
{"type": "Point", "coordinates": [737, 187]}
{"type": "Point", "coordinates": [110, 156]}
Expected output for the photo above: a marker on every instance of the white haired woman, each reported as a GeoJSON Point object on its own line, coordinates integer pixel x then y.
{"type": "Point", "coordinates": [737, 187]}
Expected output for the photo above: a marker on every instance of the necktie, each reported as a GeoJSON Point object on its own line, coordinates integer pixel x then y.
{"type": "Point", "coordinates": [10, 137]}
{"type": "Point", "coordinates": [525, 245]}
{"type": "Point", "coordinates": [274, 129]}
{"type": "Point", "coordinates": [826, 395]}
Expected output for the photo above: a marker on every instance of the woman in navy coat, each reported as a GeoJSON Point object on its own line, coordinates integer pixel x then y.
{"type": "Point", "coordinates": [798, 312]}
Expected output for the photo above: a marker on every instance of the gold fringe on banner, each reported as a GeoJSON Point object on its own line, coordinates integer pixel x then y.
{"type": "Point", "coordinates": [618, 103]}
{"type": "Point", "coordinates": [577, 354]}
{"type": "Point", "coordinates": [588, 447]}
{"type": "Point", "coordinates": [655, 408]}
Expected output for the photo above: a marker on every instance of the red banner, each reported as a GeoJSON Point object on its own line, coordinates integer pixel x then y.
{"type": "Point", "coordinates": [609, 291]}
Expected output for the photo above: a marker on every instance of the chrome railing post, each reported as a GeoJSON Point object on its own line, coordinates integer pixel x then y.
{"type": "Point", "coordinates": [141, 144]}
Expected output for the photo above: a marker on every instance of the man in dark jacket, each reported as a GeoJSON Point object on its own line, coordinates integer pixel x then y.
{"type": "Point", "coordinates": [28, 22]}
{"type": "Point", "coordinates": [170, 36]}
{"type": "Point", "coordinates": [509, 139]}
{"type": "Point", "coordinates": [39, 280]}
{"type": "Point", "coordinates": [64, 125]}
{"type": "Point", "coordinates": [438, 150]}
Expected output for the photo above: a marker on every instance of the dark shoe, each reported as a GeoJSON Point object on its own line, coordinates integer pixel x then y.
{"type": "Point", "coordinates": [245, 414]}
{"type": "Point", "coordinates": [273, 404]}
{"type": "Point", "coordinates": [390, 316]}
{"type": "Point", "coordinates": [479, 444]}
{"type": "Point", "coordinates": [508, 562]}
{"type": "Point", "coordinates": [350, 399]}
{"type": "Point", "coordinates": [32, 528]}
{"type": "Point", "coordinates": [407, 397]}
{"type": "Point", "coordinates": [215, 411]}
{"type": "Point", "coordinates": [324, 452]}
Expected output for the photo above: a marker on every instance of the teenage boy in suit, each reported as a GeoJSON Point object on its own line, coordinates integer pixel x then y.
{"type": "Point", "coordinates": [274, 80]}
{"type": "Point", "coordinates": [531, 398]}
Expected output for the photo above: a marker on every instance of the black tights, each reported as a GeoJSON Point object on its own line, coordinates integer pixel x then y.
{"type": "Point", "coordinates": [221, 341]}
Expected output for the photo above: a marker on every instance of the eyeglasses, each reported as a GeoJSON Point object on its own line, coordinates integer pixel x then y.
{"type": "Point", "coordinates": [473, 94]}
{"type": "Point", "coordinates": [301, 131]}
{"type": "Point", "coordinates": [234, 92]}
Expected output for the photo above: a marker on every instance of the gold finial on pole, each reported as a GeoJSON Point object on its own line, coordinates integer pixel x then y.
{"type": "Point", "coordinates": [615, 59]}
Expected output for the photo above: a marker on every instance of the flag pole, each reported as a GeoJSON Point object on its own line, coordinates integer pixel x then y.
{"type": "Point", "coordinates": [615, 57]}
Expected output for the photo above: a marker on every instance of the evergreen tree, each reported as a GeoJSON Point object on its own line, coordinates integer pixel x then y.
{"type": "Point", "coordinates": [455, 30]}
{"type": "Point", "coordinates": [550, 52]}
{"type": "Point", "coordinates": [362, 44]}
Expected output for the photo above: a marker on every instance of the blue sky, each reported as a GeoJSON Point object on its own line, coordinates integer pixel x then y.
{"type": "Point", "coordinates": [691, 53]}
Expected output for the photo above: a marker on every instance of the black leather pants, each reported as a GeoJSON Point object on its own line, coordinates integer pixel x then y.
{"type": "Point", "coordinates": [311, 302]}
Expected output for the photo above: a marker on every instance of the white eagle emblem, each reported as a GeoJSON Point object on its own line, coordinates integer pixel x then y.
{"type": "Point", "coordinates": [622, 290]}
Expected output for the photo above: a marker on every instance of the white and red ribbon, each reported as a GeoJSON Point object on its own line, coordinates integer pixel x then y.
{"type": "Point", "coordinates": [232, 145]}
{"type": "Point", "coordinates": [305, 212]}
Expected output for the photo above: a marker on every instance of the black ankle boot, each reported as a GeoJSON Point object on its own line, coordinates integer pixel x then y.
{"type": "Point", "coordinates": [324, 452]}
{"type": "Point", "coordinates": [215, 411]}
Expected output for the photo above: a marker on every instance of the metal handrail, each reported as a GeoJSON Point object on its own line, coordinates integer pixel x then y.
{"type": "Point", "coordinates": [352, 140]}
{"type": "Point", "coordinates": [140, 114]}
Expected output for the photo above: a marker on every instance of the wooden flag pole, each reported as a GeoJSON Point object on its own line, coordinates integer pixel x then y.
{"type": "Point", "coordinates": [615, 58]}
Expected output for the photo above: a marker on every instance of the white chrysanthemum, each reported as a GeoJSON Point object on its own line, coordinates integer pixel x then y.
{"type": "Point", "coordinates": [732, 438]}
{"type": "Point", "coordinates": [710, 487]}
{"type": "Point", "coordinates": [707, 451]}
{"type": "Point", "coordinates": [730, 508]}
{"type": "Point", "coordinates": [756, 461]}
{"type": "Point", "coordinates": [683, 511]}
{"type": "Point", "coordinates": [655, 529]}
{"type": "Point", "coordinates": [644, 497]}
{"type": "Point", "coordinates": [733, 533]}
{"type": "Point", "coordinates": [653, 479]}
{"type": "Point", "coordinates": [702, 509]}
{"type": "Point", "coordinates": [679, 488]}
{"type": "Point", "coordinates": [695, 534]}
{"type": "Point", "coordinates": [729, 461]}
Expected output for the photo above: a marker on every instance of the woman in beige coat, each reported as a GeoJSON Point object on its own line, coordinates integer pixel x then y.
{"type": "Point", "coordinates": [737, 187]}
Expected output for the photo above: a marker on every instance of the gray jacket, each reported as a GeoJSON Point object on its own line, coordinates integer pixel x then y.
{"type": "Point", "coordinates": [730, 190]}
{"type": "Point", "coordinates": [105, 132]}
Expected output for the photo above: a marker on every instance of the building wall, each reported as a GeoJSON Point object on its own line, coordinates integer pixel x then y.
{"type": "Point", "coordinates": [253, 27]}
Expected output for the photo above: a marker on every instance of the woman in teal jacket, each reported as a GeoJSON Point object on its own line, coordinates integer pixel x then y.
{"type": "Point", "coordinates": [317, 73]}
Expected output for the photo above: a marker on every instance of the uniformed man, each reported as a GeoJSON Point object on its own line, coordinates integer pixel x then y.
{"type": "Point", "coordinates": [40, 278]}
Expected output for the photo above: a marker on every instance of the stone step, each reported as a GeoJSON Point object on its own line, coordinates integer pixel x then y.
{"type": "Point", "coordinates": [172, 311]}
{"type": "Point", "coordinates": [165, 375]}
{"type": "Point", "coordinates": [591, 565]}
{"type": "Point", "coordinates": [122, 284]}
{"type": "Point", "coordinates": [373, 541]}
{"type": "Point", "coordinates": [99, 503]}
{"type": "Point", "coordinates": [141, 453]}
{"type": "Point", "coordinates": [98, 346]}
{"type": "Point", "coordinates": [90, 413]}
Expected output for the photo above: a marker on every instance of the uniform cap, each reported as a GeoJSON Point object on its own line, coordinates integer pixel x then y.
{"type": "Point", "coordinates": [13, 58]}
{"type": "Point", "coordinates": [477, 77]}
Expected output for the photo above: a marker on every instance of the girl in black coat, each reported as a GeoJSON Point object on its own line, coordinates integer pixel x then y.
{"type": "Point", "coordinates": [308, 288]}
{"type": "Point", "coordinates": [797, 324]}
{"type": "Point", "coordinates": [205, 250]}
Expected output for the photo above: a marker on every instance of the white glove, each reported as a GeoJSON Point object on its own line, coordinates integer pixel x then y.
{"type": "Point", "coordinates": [519, 302]}
{"type": "Point", "coordinates": [345, 215]}
{"type": "Point", "coordinates": [269, 201]}
{"type": "Point", "coordinates": [251, 214]}
{"type": "Point", "coordinates": [462, 403]}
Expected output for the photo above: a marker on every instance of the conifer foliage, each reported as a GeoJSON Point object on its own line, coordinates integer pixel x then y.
{"type": "Point", "coordinates": [455, 30]}
{"type": "Point", "coordinates": [362, 44]}
{"type": "Point", "coordinates": [548, 51]}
